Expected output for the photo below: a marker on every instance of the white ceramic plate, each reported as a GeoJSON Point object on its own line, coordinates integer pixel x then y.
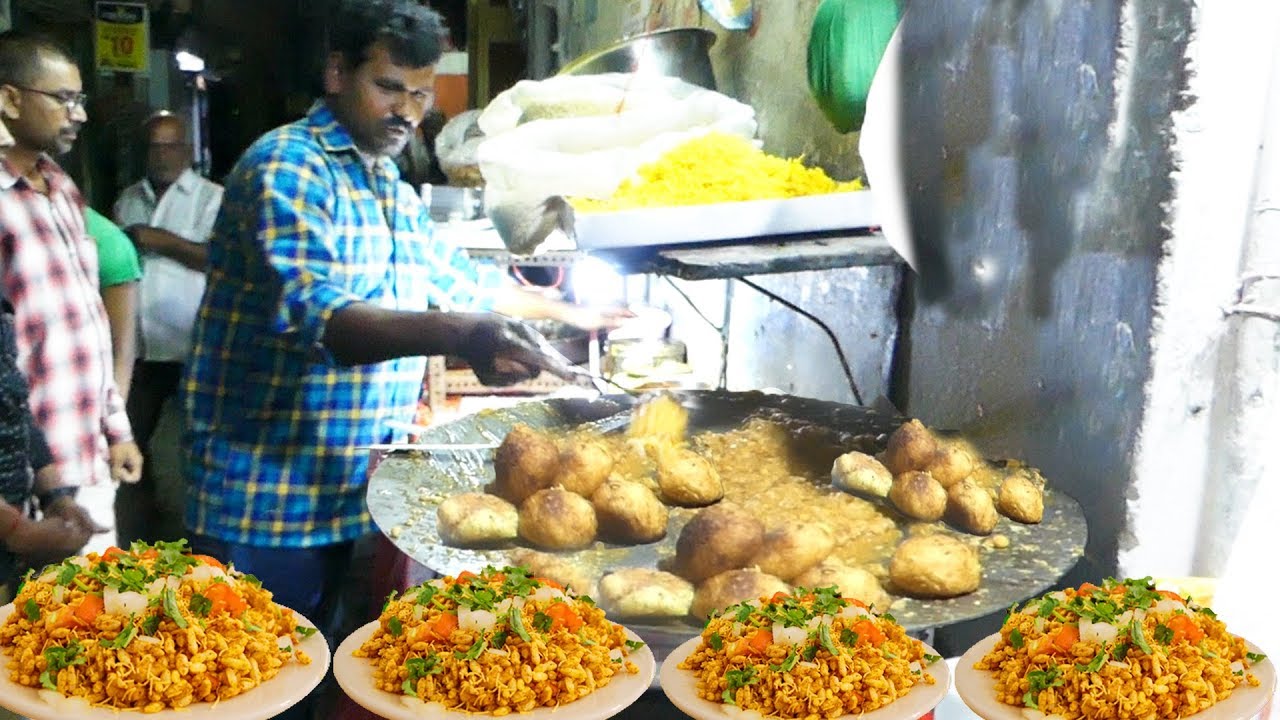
{"type": "Point", "coordinates": [355, 675]}
{"type": "Point", "coordinates": [977, 689]}
{"type": "Point", "coordinates": [271, 698]}
{"type": "Point", "coordinates": [681, 688]}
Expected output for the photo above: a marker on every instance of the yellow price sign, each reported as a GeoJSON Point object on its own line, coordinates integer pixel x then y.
{"type": "Point", "coordinates": [121, 37]}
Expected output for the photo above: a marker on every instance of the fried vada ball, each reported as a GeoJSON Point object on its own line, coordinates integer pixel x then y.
{"type": "Point", "coordinates": [794, 548]}
{"type": "Point", "coordinates": [732, 587]}
{"type": "Point", "coordinates": [852, 582]}
{"type": "Point", "coordinates": [472, 519]}
{"type": "Point", "coordinates": [555, 568]}
{"type": "Point", "coordinates": [918, 496]}
{"type": "Point", "coordinates": [643, 592]}
{"type": "Point", "coordinates": [1021, 499]}
{"type": "Point", "coordinates": [861, 474]}
{"type": "Point", "coordinates": [556, 519]}
{"type": "Point", "coordinates": [628, 512]}
{"type": "Point", "coordinates": [687, 479]}
{"type": "Point", "coordinates": [525, 462]}
{"type": "Point", "coordinates": [935, 566]}
{"type": "Point", "coordinates": [951, 464]}
{"type": "Point", "coordinates": [970, 508]}
{"type": "Point", "coordinates": [584, 466]}
{"type": "Point", "coordinates": [911, 447]}
{"type": "Point", "coordinates": [719, 538]}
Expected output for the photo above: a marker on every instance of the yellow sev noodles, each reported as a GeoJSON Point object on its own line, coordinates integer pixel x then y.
{"type": "Point", "coordinates": [806, 655]}
{"type": "Point", "coordinates": [498, 642]}
{"type": "Point", "coordinates": [149, 629]}
{"type": "Point", "coordinates": [1122, 651]}
{"type": "Point", "coordinates": [716, 168]}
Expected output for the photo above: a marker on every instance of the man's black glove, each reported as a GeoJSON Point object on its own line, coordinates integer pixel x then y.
{"type": "Point", "coordinates": [502, 351]}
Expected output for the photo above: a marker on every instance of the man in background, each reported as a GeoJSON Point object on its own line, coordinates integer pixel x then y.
{"type": "Point", "coordinates": [118, 275]}
{"type": "Point", "coordinates": [50, 275]}
{"type": "Point", "coordinates": [169, 214]}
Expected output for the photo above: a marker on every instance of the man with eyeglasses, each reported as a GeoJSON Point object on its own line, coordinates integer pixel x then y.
{"type": "Point", "coordinates": [50, 275]}
{"type": "Point", "coordinates": [169, 215]}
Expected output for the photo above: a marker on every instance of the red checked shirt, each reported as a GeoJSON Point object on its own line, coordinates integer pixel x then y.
{"type": "Point", "coordinates": [49, 270]}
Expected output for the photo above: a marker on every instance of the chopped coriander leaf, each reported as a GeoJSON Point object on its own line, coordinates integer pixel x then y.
{"type": "Point", "coordinates": [516, 621]}
{"type": "Point", "coordinates": [200, 605]}
{"type": "Point", "coordinates": [738, 679]}
{"type": "Point", "coordinates": [1163, 634]}
{"type": "Point", "coordinates": [848, 637]}
{"type": "Point", "coordinates": [395, 627]}
{"type": "Point", "coordinates": [1135, 634]}
{"type": "Point", "coordinates": [305, 632]}
{"type": "Point", "coordinates": [587, 599]}
{"type": "Point", "coordinates": [1041, 680]}
{"type": "Point", "coordinates": [1120, 651]}
{"type": "Point", "coordinates": [171, 608]}
{"type": "Point", "coordinates": [249, 626]}
{"type": "Point", "coordinates": [931, 659]}
{"type": "Point", "coordinates": [122, 640]}
{"type": "Point", "coordinates": [634, 644]}
{"type": "Point", "coordinates": [889, 617]}
{"type": "Point", "coordinates": [251, 579]}
{"type": "Point", "coordinates": [474, 651]}
{"type": "Point", "coordinates": [1047, 606]}
{"type": "Point", "coordinates": [499, 639]}
{"type": "Point", "coordinates": [1015, 639]}
{"type": "Point", "coordinates": [58, 658]}
{"type": "Point", "coordinates": [1209, 612]}
{"type": "Point", "coordinates": [151, 624]}
{"type": "Point", "coordinates": [810, 651]}
{"type": "Point", "coordinates": [824, 638]}
{"type": "Point", "coordinates": [542, 622]}
{"type": "Point", "coordinates": [716, 642]}
{"type": "Point", "coordinates": [32, 610]}
{"type": "Point", "coordinates": [1254, 657]}
{"type": "Point", "coordinates": [67, 573]}
{"type": "Point", "coordinates": [787, 664]}
{"type": "Point", "coordinates": [744, 612]}
{"type": "Point", "coordinates": [518, 583]}
{"type": "Point", "coordinates": [1094, 665]}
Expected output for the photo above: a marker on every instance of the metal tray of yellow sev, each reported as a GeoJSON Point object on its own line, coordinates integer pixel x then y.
{"type": "Point", "coordinates": [776, 475]}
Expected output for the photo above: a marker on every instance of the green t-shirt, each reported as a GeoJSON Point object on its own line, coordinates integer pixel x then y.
{"type": "Point", "coordinates": [117, 258]}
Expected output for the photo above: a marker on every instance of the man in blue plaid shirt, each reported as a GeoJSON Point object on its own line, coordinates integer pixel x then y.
{"type": "Point", "coordinates": [315, 321]}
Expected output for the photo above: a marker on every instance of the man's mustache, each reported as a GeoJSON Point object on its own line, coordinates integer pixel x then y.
{"type": "Point", "coordinates": [398, 124]}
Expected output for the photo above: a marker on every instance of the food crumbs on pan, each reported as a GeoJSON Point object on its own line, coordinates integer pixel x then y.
{"type": "Point", "coordinates": [395, 531]}
{"type": "Point", "coordinates": [999, 542]}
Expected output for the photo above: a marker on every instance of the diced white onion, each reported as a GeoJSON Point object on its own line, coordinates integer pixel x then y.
{"type": "Point", "coordinates": [615, 654]}
{"type": "Point", "coordinates": [1030, 610]}
{"type": "Point", "coordinates": [159, 585]}
{"type": "Point", "coordinates": [1237, 666]}
{"type": "Point", "coordinates": [505, 606]}
{"type": "Point", "coordinates": [419, 611]}
{"type": "Point", "coordinates": [80, 560]}
{"type": "Point", "coordinates": [789, 635]}
{"type": "Point", "coordinates": [737, 628]}
{"type": "Point", "coordinates": [58, 592]}
{"type": "Point", "coordinates": [546, 592]}
{"type": "Point", "coordinates": [1117, 664]}
{"type": "Point", "coordinates": [496, 651]}
{"type": "Point", "coordinates": [1059, 596]}
{"type": "Point", "coordinates": [1099, 632]}
{"type": "Point", "coordinates": [203, 573]}
{"type": "Point", "coordinates": [853, 611]}
{"type": "Point", "coordinates": [476, 620]}
{"type": "Point", "coordinates": [148, 639]}
{"type": "Point", "coordinates": [48, 577]}
{"type": "Point", "coordinates": [807, 664]}
{"type": "Point", "coordinates": [914, 666]}
{"type": "Point", "coordinates": [123, 603]}
{"type": "Point", "coordinates": [1168, 605]}
{"type": "Point", "coordinates": [1039, 624]}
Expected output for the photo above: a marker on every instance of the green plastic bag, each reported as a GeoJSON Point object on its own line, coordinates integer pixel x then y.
{"type": "Point", "coordinates": [845, 47]}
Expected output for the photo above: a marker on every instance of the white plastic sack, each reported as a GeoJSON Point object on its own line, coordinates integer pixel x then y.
{"type": "Point", "coordinates": [623, 122]}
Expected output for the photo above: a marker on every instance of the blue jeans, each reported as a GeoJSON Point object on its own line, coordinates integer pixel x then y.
{"type": "Point", "coordinates": [324, 584]}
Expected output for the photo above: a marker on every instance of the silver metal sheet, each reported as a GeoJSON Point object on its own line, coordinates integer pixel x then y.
{"type": "Point", "coordinates": [406, 488]}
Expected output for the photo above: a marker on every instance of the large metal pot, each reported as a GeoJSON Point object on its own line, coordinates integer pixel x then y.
{"type": "Point", "coordinates": [677, 52]}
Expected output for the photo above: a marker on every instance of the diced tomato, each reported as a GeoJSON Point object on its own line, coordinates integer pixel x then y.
{"type": "Point", "coordinates": [150, 554]}
{"type": "Point", "coordinates": [113, 553]}
{"type": "Point", "coordinates": [465, 576]}
{"type": "Point", "coordinates": [1060, 641]}
{"type": "Point", "coordinates": [211, 561]}
{"type": "Point", "coordinates": [550, 583]}
{"type": "Point", "coordinates": [779, 597]}
{"type": "Point", "coordinates": [441, 628]}
{"type": "Point", "coordinates": [1184, 628]}
{"type": "Point", "coordinates": [563, 616]}
{"type": "Point", "coordinates": [858, 603]}
{"type": "Point", "coordinates": [88, 609]}
{"type": "Point", "coordinates": [1169, 594]}
{"type": "Point", "coordinates": [498, 577]}
{"type": "Point", "coordinates": [222, 597]}
{"type": "Point", "coordinates": [759, 641]}
{"type": "Point", "coordinates": [64, 618]}
{"type": "Point", "coordinates": [1087, 589]}
{"type": "Point", "coordinates": [868, 631]}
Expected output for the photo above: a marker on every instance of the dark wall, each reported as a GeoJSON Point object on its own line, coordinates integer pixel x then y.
{"type": "Point", "coordinates": [1038, 233]}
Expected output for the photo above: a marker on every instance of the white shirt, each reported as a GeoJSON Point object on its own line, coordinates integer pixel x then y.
{"type": "Point", "coordinates": [170, 291]}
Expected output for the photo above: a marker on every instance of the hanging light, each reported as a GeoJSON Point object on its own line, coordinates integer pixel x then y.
{"type": "Point", "coordinates": [189, 62]}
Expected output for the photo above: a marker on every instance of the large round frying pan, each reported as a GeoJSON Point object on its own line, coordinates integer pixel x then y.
{"type": "Point", "coordinates": [407, 486]}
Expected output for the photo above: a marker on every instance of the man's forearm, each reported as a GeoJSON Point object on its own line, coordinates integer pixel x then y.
{"type": "Point", "coordinates": [361, 334]}
{"type": "Point", "coordinates": [515, 301]}
{"type": "Point", "coordinates": [121, 302]}
{"type": "Point", "coordinates": [193, 255]}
